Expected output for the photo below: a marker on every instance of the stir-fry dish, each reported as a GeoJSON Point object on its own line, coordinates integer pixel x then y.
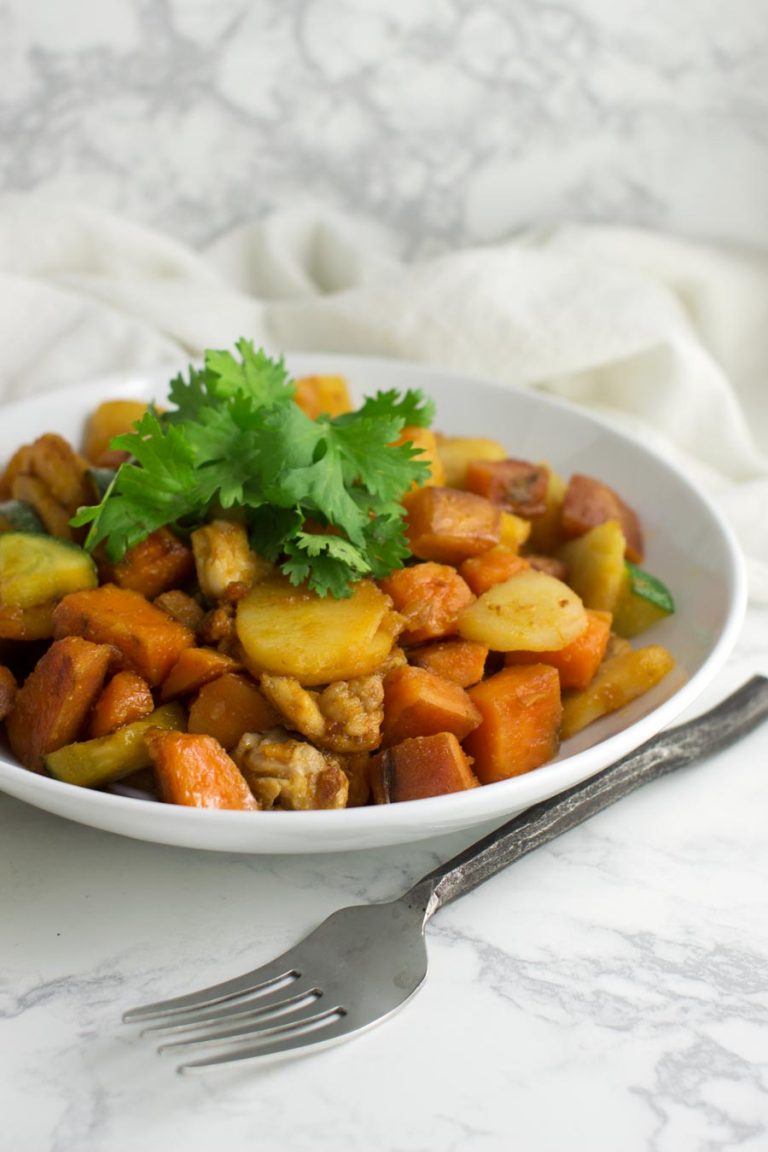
{"type": "Point", "coordinates": [260, 598]}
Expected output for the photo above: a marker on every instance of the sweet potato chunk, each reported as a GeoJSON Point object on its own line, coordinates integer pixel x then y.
{"type": "Point", "coordinates": [148, 641]}
{"type": "Point", "coordinates": [447, 525]}
{"type": "Point", "coordinates": [429, 597]}
{"type": "Point", "coordinates": [194, 770]}
{"type": "Point", "coordinates": [194, 668]}
{"type": "Point", "coordinates": [127, 697]}
{"type": "Point", "coordinates": [588, 502]}
{"type": "Point", "coordinates": [230, 706]}
{"type": "Point", "coordinates": [316, 395]}
{"type": "Point", "coordinates": [493, 567]}
{"type": "Point", "coordinates": [462, 661]}
{"type": "Point", "coordinates": [420, 767]}
{"type": "Point", "coordinates": [53, 704]}
{"type": "Point", "coordinates": [521, 710]}
{"type": "Point", "coordinates": [153, 566]}
{"type": "Point", "coordinates": [516, 485]}
{"type": "Point", "coordinates": [7, 691]}
{"type": "Point", "coordinates": [419, 703]}
{"type": "Point", "coordinates": [578, 662]}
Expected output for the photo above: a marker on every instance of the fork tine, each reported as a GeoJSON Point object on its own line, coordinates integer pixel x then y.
{"type": "Point", "coordinates": [256, 1007]}
{"type": "Point", "coordinates": [279, 969]}
{"type": "Point", "coordinates": [305, 1014]}
{"type": "Point", "coordinates": [319, 1037]}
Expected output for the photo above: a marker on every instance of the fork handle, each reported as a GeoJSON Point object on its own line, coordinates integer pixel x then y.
{"type": "Point", "coordinates": [724, 724]}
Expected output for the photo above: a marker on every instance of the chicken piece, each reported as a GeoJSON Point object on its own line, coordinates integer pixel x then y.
{"type": "Point", "coordinates": [344, 717]}
{"type": "Point", "coordinates": [226, 565]}
{"type": "Point", "coordinates": [286, 773]}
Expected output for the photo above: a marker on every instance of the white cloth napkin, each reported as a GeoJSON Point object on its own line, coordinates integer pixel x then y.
{"type": "Point", "coordinates": [666, 337]}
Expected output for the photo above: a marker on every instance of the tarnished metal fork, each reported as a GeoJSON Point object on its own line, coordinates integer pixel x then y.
{"type": "Point", "coordinates": [365, 961]}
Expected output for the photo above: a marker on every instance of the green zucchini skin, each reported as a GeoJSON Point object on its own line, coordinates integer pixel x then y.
{"type": "Point", "coordinates": [36, 569]}
{"type": "Point", "coordinates": [18, 516]}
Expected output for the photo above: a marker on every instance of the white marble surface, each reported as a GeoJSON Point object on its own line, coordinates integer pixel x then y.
{"type": "Point", "coordinates": [609, 991]}
{"type": "Point", "coordinates": [452, 121]}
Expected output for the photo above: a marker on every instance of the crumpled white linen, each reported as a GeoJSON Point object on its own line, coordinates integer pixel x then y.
{"type": "Point", "coordinates": [665, 337]}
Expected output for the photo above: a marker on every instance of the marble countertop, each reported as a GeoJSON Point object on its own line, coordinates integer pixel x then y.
{"type": "Point", "coordinates": [609, 991]}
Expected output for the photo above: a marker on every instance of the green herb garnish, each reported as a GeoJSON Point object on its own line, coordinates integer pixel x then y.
{"type": "Point", "coordinates": [235, 439]}
{"type": "Point", "coordinates": [649, 587]}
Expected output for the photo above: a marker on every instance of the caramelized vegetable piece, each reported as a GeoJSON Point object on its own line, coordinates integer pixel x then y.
{"type": "Point", "coordinates": [159, 563]}
{"type": "Point", "coordinates": [529, 612]}
{"type": "Point", "coordinates": [493, 567]}
{"type": "Point", "coordinates": [27, 623]}
{"type": "Point", "coordinates": [419, 703]}
{"type": "Point", "coordinates": [619, 680]}
{"type": "Point", "coordinates": [288, 773]}
{"type": "Point", "coordinates": [7, 691]}
{"type": "Point", "coordinates": [462, 661]}
{"type": "Point", "coordinates": [148, 641]}
{"type": "Point", "coordinates": [230, 706]}
{"type": "Point", "coordinates": [294, 632]}
{"type": "Point", "coordinates": [521, 710]}
{"type": "Point", "coordinates": [589, 502]}
{"type": "Point", "coordinates": [355, 767]}
{"type": "Point", "coordinates": [420, 767]}
{"type": "Point", "coordinates": [516, 485]}
{"type": "Point", "coordinates": [105, 759]}
{"type": "Point", "coordinates": [578, 662]}
{"type": "Point", "coordinates": [182, 607]}
{"type": "Point", "coordinates": [194, 770]}
{"type": "Point", "coordinates": [447, 525]}
{"type": "Point", "coordinates": [125, 698]}
{"type": "Point", "coordinates": [194, 668]}
{"type": "Point", "coordinates": [429, 597]}
{"type": "Point", "coordinates": [53, 704]}
{"type": "Point", "coordinates": [51, 477]}
{"type": "Point", "coordinates": [111, 418]}
{"type": "Point", "coordinates": [595, 563]}
{"type": "Point", "coordinates": [318, 395]}
{"type": "Point", "coordinates": [457, 451]}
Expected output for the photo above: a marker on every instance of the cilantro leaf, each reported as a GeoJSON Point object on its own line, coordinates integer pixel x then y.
{"type": "Point", "coordinates": [235, 439]}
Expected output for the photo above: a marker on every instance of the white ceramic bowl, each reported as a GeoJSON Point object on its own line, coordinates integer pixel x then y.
{"type": "Point", "coordinates": [688, 546]}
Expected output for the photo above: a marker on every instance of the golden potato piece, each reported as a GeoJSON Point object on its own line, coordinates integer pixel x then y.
{"type": "Point", "coordinates": [619, 680]}
{"type": "Point", "coordinates": [294, 632]}
{"type": "Point", "coordinates": [596, 565]}
{"type": "Point", "coordinates": [532, 611]}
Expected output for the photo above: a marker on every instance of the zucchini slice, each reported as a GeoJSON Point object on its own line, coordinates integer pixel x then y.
{"type": "Point", "coordinates": [643, 601]}
{"type": "Point", "coordinates": [93, 763]}
{"type": "Point", "coordinates": [35, 569]}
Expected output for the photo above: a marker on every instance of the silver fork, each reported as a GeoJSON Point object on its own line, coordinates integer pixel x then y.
{"type": "Point", "coordinates": [365, 961]}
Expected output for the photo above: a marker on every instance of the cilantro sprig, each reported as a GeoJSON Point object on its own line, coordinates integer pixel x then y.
{"type": "Point", "coordinates": [322, 498]}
